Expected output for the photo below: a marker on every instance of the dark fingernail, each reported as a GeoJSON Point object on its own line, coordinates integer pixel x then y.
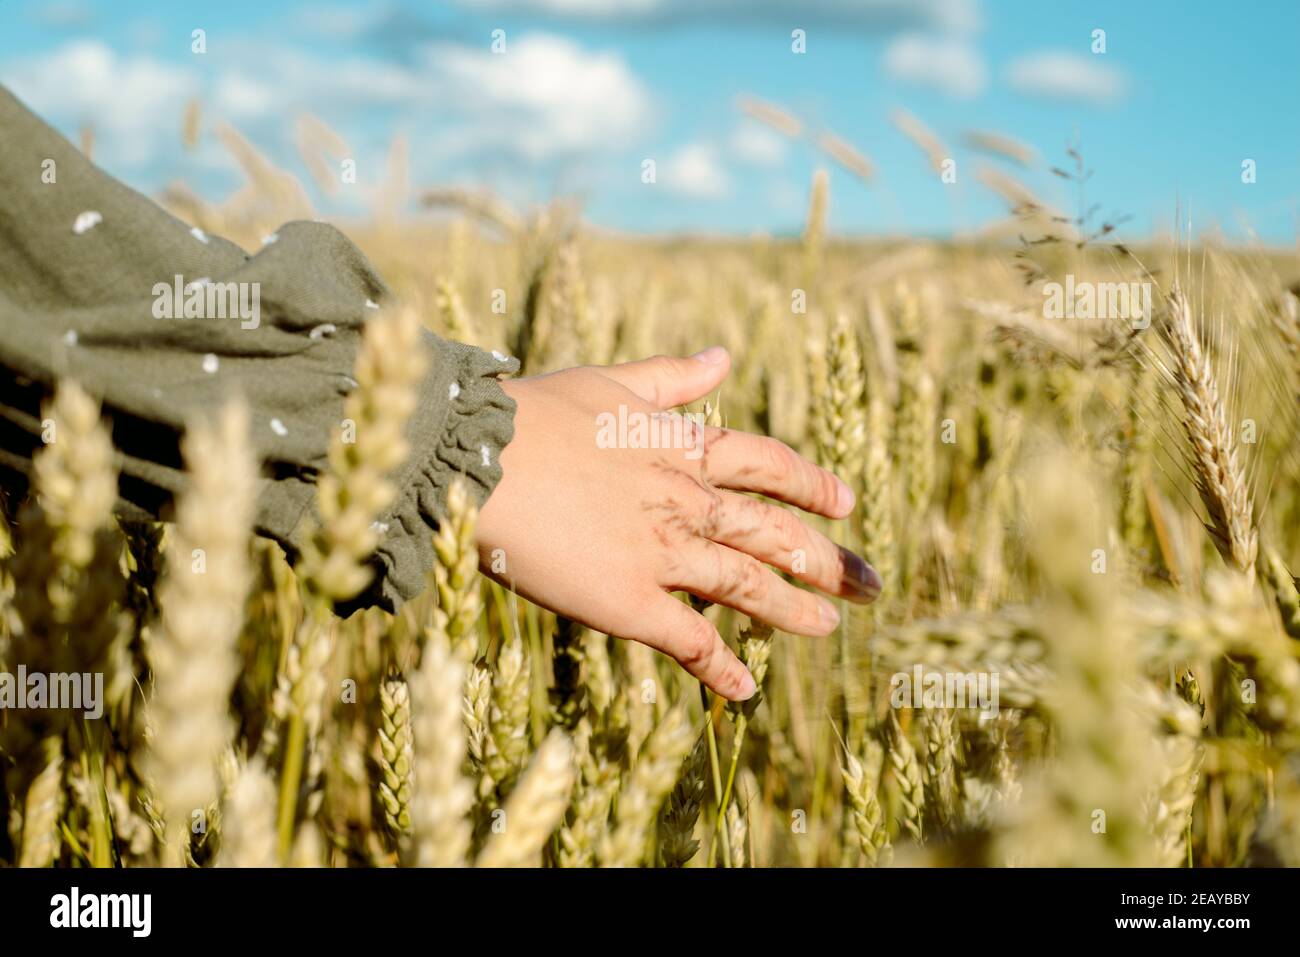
{"type": "Point", "coordinates": [859, 580]}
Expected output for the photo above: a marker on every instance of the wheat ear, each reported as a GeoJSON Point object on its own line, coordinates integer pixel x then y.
{"type": "Point", "coordinates": [1180, 753]}
{"type": "Point", "coordinates": [1216, 469]}
{"type": "Point", "coordinates": [906, 769]}
{"type": "Point", "coordinates": [601, 763]}
{"type": "Point", "coordinates": [535, 807]}
{"type": "Point", "coordinates": [65, 579]}
{"type": "Point", "coordinates": [396, 754]}
{"type": "Point", "coordinates": [248, 819]}
{"type": "Point", "coordinates": [656, 771]}
{"type": "Point", "coordinates": [737, 834]}
{"type": "Point", "coordinates": [455, 321]}
{"type": "Point", "coordinates": [942, 757]}
{"type": "Point", "coordinates": [455, 573]}
{"type": "Point", "coordinates": [860, 783]}
{"type": "Point", "coordinates": [476, 711]}
{"type": "Point", "coordinates": [193, 655]}
{"type": "Point", "coordinates": [442, 796]}
{"type": "Point", "coordinates": [369, 443]}
{"type": "Point", "coordinates": [508, 741]}
{"type": "Point", "coordinates": [1286, 594]}
{"type": "Point", "coordinates": [877, 497]}
{"type": "Point", "coordinates": [43, 807]}
{"type": "Point", "coordinates": [843, 427]}
{"type": "Point", "coordinates": [677, 844]}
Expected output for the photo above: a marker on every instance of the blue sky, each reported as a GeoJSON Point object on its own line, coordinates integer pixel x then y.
{"type": "Point", "coordinates": [586, 90]}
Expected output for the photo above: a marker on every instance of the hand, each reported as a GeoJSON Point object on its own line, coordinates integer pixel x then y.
{"type": "Point", "coordinates": [601, 535]}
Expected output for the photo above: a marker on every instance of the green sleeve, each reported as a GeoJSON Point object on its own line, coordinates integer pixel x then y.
{"type": "Point", "coordinates": [81, 256]}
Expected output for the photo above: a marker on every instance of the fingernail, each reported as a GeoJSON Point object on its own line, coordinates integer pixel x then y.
{"type": "Point", "coordinates": [829, 615]}
{"type": "Point", "coordinates": [747, 687]}
{"type": "Point", "coordinates": [846, 498]}
{"type": "Point", "coordinates": [714, 355]}
{"type": "Point", "coordinates": [859, 579]}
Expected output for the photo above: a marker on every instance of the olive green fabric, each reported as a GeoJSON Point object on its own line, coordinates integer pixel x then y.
{"type": "Point", "coordinates": [80, 256]}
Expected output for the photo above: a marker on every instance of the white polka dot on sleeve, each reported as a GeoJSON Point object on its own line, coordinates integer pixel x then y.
{"type": "Point", "coordinates": [87, 221]}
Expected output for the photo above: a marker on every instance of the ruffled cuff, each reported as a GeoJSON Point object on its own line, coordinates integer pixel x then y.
{"type": "Point", "coordinates": [462, 422]}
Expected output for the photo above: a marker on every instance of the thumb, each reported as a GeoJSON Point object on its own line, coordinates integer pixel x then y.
{"type": "Point", "coordinates": [668, 381]}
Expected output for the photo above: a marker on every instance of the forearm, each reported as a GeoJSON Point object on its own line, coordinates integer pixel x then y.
{"type": "Point", "coordinates": [89, 272]}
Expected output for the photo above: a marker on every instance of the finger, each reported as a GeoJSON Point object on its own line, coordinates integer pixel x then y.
{"type": "Point", "coordinates": [674, 628]}
{"type": "Point", "coordinates": [756, 463]}
{"type": "Point", "coordinates": [668, 381]}
{"type": "Point", "coordinates": [728, 577]}
{"type": "Point", "coordinates": [777, 537]}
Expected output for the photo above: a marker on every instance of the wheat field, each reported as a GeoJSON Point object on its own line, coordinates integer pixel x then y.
{"type": "Point", "coordinates": [1101, 516]}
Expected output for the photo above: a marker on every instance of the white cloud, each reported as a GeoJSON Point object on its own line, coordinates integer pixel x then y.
{"type": "Point", "coordinates": [544, 97]}
{"type": "Point", "coordinates": [133, 102]}
{"type": "Point", "coordinates": [696, 171]}
{"type": "Point", "coordinates": [242, 97]}
{"type": "Point", "coordinates": [947, 64]}
{"type": "Point", "coordinates": [1059, 75]}
{"type": "Point", "coordinates": [757, 145]}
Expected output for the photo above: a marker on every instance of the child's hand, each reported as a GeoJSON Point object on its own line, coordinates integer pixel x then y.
{"type": "Point", "coordinates": [601, 535]}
